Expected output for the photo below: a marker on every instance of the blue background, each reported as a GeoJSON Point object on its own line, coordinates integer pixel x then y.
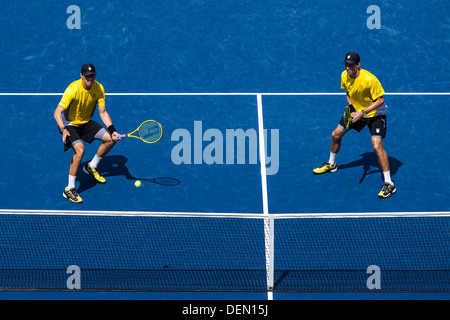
{"type": "Point", "coordinates": [232, 47]}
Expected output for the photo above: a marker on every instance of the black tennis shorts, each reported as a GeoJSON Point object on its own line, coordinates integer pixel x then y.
{"type": "Point", "coordinates": [88, 132]}
{"type": "Point", "coordinates": [377, 125]}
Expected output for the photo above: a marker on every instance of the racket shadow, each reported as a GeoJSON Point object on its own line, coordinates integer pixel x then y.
{"type": "Point", "coordinates": [112, 166]}
{"type": "Point", "coordinates": [369, 161]}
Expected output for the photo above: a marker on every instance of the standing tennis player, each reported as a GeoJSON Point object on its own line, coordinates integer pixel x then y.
{"type": "Point", "coordinates": [73, 117]}
{"type": "Point", "coordinates": [366, 100]}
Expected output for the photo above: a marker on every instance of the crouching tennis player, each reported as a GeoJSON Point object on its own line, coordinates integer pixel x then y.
{"type": "Point", "coordinates": [73, 117]}
{"type": "Point", "coordinates": [365, 98]}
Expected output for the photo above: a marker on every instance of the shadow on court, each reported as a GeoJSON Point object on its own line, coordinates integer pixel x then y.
{"type": "Point", "coordinates": [368, 161]}
{"type": "Point", "coordinates": [112, 166]}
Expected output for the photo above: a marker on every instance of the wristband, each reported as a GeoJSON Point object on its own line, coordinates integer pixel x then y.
{"type": "Point", "coordinates": [111, 129]}
{"type": "Point", "coordinates": [62, 129]}
{"type": "Point", "coordinates": [363, 112]}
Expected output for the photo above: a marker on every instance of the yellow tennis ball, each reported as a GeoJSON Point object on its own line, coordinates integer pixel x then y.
{"type": "Point", "coordinates": [137, 183]}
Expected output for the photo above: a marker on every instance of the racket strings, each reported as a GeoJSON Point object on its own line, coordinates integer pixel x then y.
{"type": "Point", "coordinates": [150, 131]}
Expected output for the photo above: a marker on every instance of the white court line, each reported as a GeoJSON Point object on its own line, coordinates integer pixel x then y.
{"type": "Point", "coordinates": [267, 226]}
{"type": "Point", "coordinates": [233, 94]}
{"type": "Point", "coordinates": [262, 155]}
{"type": "Point", "coordinates": [293, 215]}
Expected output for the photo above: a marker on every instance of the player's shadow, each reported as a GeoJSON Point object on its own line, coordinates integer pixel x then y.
{"type": "Point", "coordinates": [111, 166]}
{"type": "Point", "coordinates": [370, 165]}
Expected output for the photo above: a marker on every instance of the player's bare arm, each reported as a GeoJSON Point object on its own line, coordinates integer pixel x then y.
{"type": "Point", "coordinates": [106, 119]}
{"type": "Point", "coordinates": [59, 122]}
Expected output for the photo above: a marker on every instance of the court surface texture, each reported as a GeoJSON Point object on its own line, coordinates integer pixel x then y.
{"type": "Point", "coordinates": [204, 69]}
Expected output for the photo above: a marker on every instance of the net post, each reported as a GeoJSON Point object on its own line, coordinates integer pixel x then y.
{"type": "Point", "coordinates": [269, 250]}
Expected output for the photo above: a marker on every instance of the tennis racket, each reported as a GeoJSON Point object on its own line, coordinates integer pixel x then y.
{"type": "Point", "coordinates": [347, 117]}
{"type": "Point", "coordinates": [149, 131]}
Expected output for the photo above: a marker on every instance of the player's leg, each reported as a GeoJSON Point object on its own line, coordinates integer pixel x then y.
{"type": "Point", "coordinates": [336, 139]}
{"type": "Point", "coordinates": [70, 192]}
{"type": "Point", "coordinates": [382, 156]}
{"type": "Point", "coordinates": [78, 149]}
{"type": "Point", "coordinates": [97, 132]}
{"type": "Point", "coordinates": [106, 146]}
{"type": "Point", "coordinates": [377, 128]}
{"type": "Point", "coordinates": [388, 188]}
{"type": "Point", "coordinates": [335, 146]}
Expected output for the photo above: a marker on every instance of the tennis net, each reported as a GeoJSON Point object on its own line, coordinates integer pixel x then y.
{"type": "Point", "coordinates": [157, 251]}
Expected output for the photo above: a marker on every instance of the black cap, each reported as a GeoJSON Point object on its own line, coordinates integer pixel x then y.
{"type": "Point", "coordinates": [88, 69]}
{"type": "Point", "coordinates": [352, 58]}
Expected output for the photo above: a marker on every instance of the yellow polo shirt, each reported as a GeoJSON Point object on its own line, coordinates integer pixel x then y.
{"type": "Point", "coordinates": [363, 91]}
{"type": "Point", "coordinates": [79, 104]}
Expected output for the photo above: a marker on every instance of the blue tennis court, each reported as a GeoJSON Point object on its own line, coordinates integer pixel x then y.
{"type": "Point", "coordinates": [219, 76]}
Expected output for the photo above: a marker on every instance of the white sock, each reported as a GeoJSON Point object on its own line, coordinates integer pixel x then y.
{"type": "Point", "coordinates": [71, 184]}
{"type": "Point", "coordinates": [387, 177]}
{"type": "Point", "coordinates": [332, 160]}
{"type": "Point", "coordinates": [94, 162]}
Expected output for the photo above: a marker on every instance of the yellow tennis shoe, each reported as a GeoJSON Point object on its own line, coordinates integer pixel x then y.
{"type": "Point", "coordinates": [326, 167]}
{"type": "Point", "coordinates": [94, 173]}
{"type": "Point", "coordinates": [387, 190]}
{"type": "Point", "coordinates": [72, 195]}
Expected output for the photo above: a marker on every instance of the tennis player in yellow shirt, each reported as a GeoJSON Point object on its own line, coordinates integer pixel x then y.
{"type": "Point", "coordinates": [73, 117]}
{"type": "Point", "coordinates": [365, 96]}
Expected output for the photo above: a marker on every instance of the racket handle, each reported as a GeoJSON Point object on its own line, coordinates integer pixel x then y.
{"type": "Point", "coordinates": [121, 136]}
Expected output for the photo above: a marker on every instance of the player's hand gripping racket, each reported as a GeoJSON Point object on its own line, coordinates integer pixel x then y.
{"type": "Point", "coordinates": [149, 131]}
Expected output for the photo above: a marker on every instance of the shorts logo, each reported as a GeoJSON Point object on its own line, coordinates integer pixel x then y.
{"type": "Point", "coordinates": [377, 130]}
